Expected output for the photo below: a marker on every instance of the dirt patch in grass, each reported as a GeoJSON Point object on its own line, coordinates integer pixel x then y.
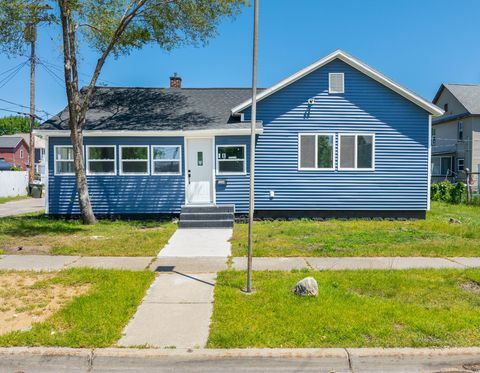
{"type": "Point", "coordinates": [27, 250]}
{"type": "Point", "coordinates": [470, 286]}
{"type": "Point", "coordinates": [27, 297]}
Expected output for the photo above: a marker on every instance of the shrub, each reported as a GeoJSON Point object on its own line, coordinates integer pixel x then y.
{"type": "Point", "coordinates": [448, 192]}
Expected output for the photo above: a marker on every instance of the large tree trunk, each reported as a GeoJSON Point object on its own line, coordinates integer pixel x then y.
{"type": "Point", "coordinates": [74, 111]}
{"type": "Point", "coordinates": [86, 210]}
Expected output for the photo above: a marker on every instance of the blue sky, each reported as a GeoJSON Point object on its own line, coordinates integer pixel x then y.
{"type": "Point", "coordinates": [418, 43]}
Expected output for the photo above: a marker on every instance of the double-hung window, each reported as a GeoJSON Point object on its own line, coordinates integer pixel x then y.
{"type": "Point", "coordinates": [231, 160]}
{"type": "Point", "coordinates": [316, 151]}
{"type": "Point", "coordinates": [134, 160]}
{"type": "Point", "coordinates": [357, 152]}
{"type": "Point", "coordinates": [442, 166]}
{"type": "Point", "coordinates": [166, 160]}
{"type": "Point", "coordinates": [101, 160]}
{"type": "Point", "coordinates": [64, 160]}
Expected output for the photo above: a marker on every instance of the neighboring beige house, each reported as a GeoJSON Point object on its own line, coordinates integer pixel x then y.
{"type": "Point", "coordinates": [456, 134]}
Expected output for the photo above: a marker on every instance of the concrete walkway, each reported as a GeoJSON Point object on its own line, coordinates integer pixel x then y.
{"type": "Point", "coordinates": [59, 262]}
{"type": "Point", "coordinates": [316, 263]}
{"type": "Point", "coordinates": [175, 313]}
{"type": "Point", "coordinates": [198, 243]}
{"type": "Point", "coordinates": [22, 206]}
{"type": "Point", "coordinates": [205, 264]}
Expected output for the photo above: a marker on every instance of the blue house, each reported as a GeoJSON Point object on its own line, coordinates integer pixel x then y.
{"type": "Point", "coordinates": [336, 139]}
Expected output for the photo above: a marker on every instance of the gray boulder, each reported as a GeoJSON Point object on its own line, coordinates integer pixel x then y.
{"type": "Point", "coordinates": [307, 287]}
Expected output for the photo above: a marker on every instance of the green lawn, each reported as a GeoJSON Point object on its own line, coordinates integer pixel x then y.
{"type": "Point", "coordinates": [9, 199]}
{"type": "Point", "coordinates": [94, 319]}
{"type": "Point", "coordinates": [374, 308]}
{"type": "Point", "coordinates": [39, 234]}
{"type": "Point", "coordinates": [434, 236]}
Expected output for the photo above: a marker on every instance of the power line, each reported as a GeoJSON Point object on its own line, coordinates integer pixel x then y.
{"type": "Point", "coordinates": [60, 69]}
{"type": "Point", "coordinates": [12, 74]}
{"type": "Point", "coordinates": [26, 107]}
{"type": "Point", "coordinates": [55, 77]}
{"type": "Point", "coordinates": [20, 113]}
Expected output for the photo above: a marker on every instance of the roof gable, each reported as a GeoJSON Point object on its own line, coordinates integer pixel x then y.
{"type": "Point", "coordinates": [468, 95]}
{"type": "Point", "coordinates": [10, 142]}
{"type": "Point", "coordinates": [355, 63]}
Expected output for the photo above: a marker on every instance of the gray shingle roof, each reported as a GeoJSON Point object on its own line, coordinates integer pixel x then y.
{"type": "Point", "coordinates": [9, 142]}
{"type": "Point", "coordinates": [137, 109]}
{"type": "Point", "coordinates": [468, 95]}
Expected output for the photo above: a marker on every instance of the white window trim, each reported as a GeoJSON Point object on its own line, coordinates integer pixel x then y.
{"type": "Point", "coordinates": [127, 160]}
{"type": "Point", "coordinates": [244, 172]}
{"type": "Point", "coordinates": [55, 171]}
{"type": "Point", "coordinates": [100, 160]}
{"type": "Point", "coordinates": [458, 164]}
{"type": "Point", "coordinates": [356, 134]}
{"type": "Point", "coordinates": [179, 160]}
{"type": "Point", "coordinates": [330, 85]}
{"type": "Point", "coordinates": [316, 168]}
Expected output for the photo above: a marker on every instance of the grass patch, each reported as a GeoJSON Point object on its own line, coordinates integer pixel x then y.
{"type": "Point", "coordinates": [434, 236]}
{"type": "Point", "coordinates": [36, 233]}
{"type": "Point", "coordinates": [374, 308]}
{"type": "Point", "coordinates": [95, 319]}
{"type": "Point", "coordinates": [10, 199]}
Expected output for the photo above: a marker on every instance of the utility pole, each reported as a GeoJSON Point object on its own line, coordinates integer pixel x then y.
{"type": "Point", "coordinates": [253, 126]}
{"type": "Point", "coordinates": [33, 62]}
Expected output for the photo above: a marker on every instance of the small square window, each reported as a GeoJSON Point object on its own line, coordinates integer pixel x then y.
{"type": "Point", "coordinates": [101, 159]}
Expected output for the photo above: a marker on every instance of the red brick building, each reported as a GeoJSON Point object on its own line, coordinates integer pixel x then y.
{"type": "Point", "coordinates": [14, 150]}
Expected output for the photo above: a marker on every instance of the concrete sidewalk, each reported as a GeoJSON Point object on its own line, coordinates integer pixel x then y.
{"type": "Point", "coordinates": [317, 263]}
{"type": "Point", "coordinates": [214, 264]}
{"type": "Point", "coordinates": [59, 262]}
{"type": "Point", "coordinates": [22, 206]}
{"type": "Point", "coordinates": [175, 313]}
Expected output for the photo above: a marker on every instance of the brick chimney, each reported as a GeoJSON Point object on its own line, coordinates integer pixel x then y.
{"type": "Point", "coordinates": [175, 81]}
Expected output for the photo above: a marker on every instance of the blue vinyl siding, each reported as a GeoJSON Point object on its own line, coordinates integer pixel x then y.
{"type": "Point", "coordinates": [400, 178]}
{"type": "Point", "coordinates": [118, 194]}
{"type": "Point", "coordinates": [236, 190]}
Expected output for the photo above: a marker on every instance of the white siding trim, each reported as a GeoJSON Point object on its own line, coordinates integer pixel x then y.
{"type": "Point", "coordinates": [429, 171]}
{"type": "Point", "coordinates": [125, 133]}
{"type": "Point", "coordinates": [47, 161]}
{"type": "Point", "coordinates": [357, 64]}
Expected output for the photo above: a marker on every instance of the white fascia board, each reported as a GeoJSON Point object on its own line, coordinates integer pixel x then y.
{"type": "Point", "coordinates": [194, 133]}
{"type": "Point", "coordinates": [357, 64]}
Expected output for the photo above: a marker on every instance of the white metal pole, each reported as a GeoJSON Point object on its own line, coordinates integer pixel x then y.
{"type": "Point", "coordinates": [252, 147]}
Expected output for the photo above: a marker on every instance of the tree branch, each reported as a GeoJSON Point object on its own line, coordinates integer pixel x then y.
{"type": "Point", "coordinates": [124, 22]}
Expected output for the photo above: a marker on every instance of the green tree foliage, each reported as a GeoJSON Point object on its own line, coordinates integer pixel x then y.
{"type": "Point", "coordinates": [12, 125]}
{"type": "Point", "coordinates": [16, 18]}
{"type": "Point", "coordinates": [111, 27]}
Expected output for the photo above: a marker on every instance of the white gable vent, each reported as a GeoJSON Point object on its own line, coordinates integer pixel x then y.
{"type": "Point", "coordinates": [336, 83]}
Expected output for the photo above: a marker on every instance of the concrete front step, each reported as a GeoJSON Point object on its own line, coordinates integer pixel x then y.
{"type": "Point", "coordinates": [205, 223]}
{"type": "Point", "coordinates": [208, 209]}
{"type": "Point", "coordinates": [207, 216]}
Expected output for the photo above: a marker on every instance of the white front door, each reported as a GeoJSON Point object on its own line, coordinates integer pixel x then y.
{"type": "Point", "coordinates": [199, 171]}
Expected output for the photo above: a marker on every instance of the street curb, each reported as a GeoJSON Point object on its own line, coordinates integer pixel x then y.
{"type": "Point", "coordinates": [343, 353]}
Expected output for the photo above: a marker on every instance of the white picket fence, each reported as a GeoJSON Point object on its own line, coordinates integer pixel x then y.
{"type": "Point", "coordinates": [13, 183]}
